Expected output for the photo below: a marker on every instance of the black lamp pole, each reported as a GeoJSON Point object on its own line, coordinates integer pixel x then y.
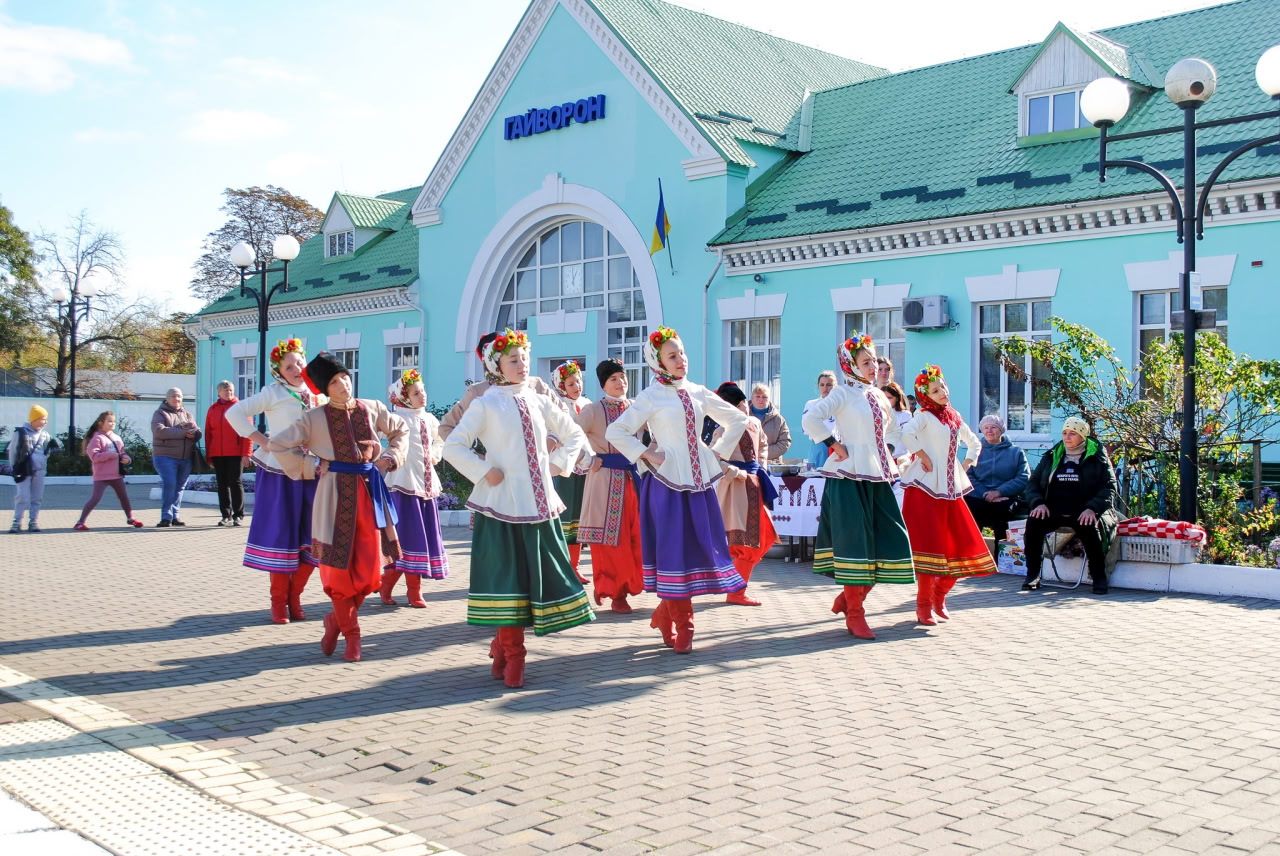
{"type": "Point", "coordinates": [263, 296]}
{"type": "Point", "coordinates": [1190, 217]}
{"type": "Point", "coordinates": [77, 311]}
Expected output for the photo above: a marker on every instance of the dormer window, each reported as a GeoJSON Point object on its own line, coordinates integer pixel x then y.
{"type": "Point", "coordinates": [1048, 112]}
{"type": "Point", "coordinates": [341, 243]}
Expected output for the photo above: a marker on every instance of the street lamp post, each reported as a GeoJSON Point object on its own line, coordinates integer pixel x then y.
{"type": "Point", "coordinates": [1189, 84]}
{"type": "Point", "coordinates": [285, 248]}
{"type": "Point", "coordinates": [77, 308]}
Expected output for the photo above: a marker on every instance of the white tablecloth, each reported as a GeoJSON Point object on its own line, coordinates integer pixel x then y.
{"type": "Point", "coordinates": [798, 505]}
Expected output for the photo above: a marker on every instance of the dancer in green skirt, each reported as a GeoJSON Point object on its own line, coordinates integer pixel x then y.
{"type": "Point", "coordinates": [521, 575]}
{"type": "Point", "coordinates": [861, 537]}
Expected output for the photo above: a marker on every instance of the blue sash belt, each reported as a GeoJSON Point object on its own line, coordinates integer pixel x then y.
{"type": "Point", "coordinates": [382, 507]}
{"type": "Point", "coordinates": [615, 461]}
{"type": "Point", "coordinates": [767, 488]}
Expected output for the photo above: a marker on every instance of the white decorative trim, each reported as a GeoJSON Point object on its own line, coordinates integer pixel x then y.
{"type": "Point", "coordinates": [1166, 275]}
{"type": "Point", "coordinates": [552, 323]}
{"type": "Point", "coordinates": [554, 201]}
{"type": "Point", "coordinates": [1012, 284]}
{"type": "Point", "coordinates": [869, 296]}
{"type": "Point", "coordinates": [1235, 202]}
{"type": "Point", "coordinates": [243, 349]}
{"type": "Point", "coordinates": [704, 167]}
{"type": "Point", "coordinates": [364, 303]}
{"type": "Point", "coordinates": [343, 341]}
{"type": "Point", "coordinates": [402, 335]}
{"type": "Point", "coordinates": [426, 208]}
{"type": "Point", "coordinates": [751, 305]}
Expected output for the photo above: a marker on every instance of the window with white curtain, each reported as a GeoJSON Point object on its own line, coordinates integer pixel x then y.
{"type": "Point", "coordinates": [246, 376]}
{"type": "Point", "coordinates": [755, 355]}
{"type": "Point", "coordinates": [402, 358]}
{"type": "Point", "coordinates": [884, 326]}
{"type": "Point", "coordinates": [1024, 406]}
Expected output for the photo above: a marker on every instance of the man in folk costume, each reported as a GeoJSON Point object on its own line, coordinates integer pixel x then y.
{"type": "Point", "coordinates": [521, 575]}
{"type": "Point", "coordinates": [353, 519]}
{"type": "Point", "coordinates": [746, 496]}
{"type": "Point", "coordinates": [861, 538]}
{"type": "Point", "coordinates": [946, 543]}
{"type": "Point", "coordinates": [415, 488]}
{"type": "Point", "coordinates": [568, 383]}
{"type": "Point", "coordinates": [682, 536]}
{"type": "Point", "coordinates": [280, 527]}
{"type": "Point", "coordinates": [610, 506]}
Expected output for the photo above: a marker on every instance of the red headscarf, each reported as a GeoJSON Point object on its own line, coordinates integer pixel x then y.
{"type": "Point", "coordinates": [948, 415]}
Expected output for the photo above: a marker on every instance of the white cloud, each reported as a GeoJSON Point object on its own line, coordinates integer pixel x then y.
{"type": "Point", "coordinates": [218, 126]}
{"type": "Point", "coordinates": [255, 71]}
{"type": "Point", "coordinates": [40, 58]}
{"type": "Point", "coordinates": [104, 135]}
{"type": "Point", "coordinates": [291, 165]}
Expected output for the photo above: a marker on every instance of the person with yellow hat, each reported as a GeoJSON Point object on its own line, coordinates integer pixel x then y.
{"type": "Point", "coordinates": [29, 452]}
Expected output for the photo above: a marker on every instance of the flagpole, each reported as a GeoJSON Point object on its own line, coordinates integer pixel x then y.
{"type": "Point", "coordinates": [669, 261]}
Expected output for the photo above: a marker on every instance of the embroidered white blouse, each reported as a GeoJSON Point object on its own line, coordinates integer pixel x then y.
{"type": "Point", "coordinates": [418, 475]}
{"type": "Point", "coordinates": [865, 421]}
{"type": "Point", "coordinates": [674, 414]}
{"type": "Point", "coordinates": [513, 423]}
{"type": "Point", "coordinates": [575, 406]}
{"type": "Point", "coordinates": [283, 407]}
{"type": "Point", "coordinates": [947, 478]}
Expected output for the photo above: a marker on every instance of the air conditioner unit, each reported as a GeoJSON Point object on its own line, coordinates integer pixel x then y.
{"type": "Point", "coordinates": [925, 313]}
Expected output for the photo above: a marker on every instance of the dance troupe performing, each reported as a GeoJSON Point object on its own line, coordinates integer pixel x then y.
{"type": "Point", "coordinates": [349, 486]}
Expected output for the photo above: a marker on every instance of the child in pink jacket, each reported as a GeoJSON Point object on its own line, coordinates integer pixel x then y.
{"type": "Point", "coordinates": [106, 450]}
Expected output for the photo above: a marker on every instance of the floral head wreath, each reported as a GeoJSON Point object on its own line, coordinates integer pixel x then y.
{"type": "Point", "coordinates": [564, 371]}
{"type": "Point", "coordinates": [398, 394]}
{"type": "Point", "coordinates": [492, 353]}
{"type": "Point", "coordinates": [847, 355]}
{"type": "Point", "coordinates": [927, 375]}
{"type": "Point", "coordinates": [946, 414]}
{"type": "Point", "coordinates": [653, 351]}
{"type": "Point", "coordinates": [287, 346]}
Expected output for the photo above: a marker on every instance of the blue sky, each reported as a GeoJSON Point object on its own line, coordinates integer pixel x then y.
{"type": "Point", "coordinates": [142, 111]}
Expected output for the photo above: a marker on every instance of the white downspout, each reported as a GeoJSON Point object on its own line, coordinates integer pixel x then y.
{"type": "Point", "coordinates": [706, 321]}
{"type": "Point", "coordinates": [406, 297]}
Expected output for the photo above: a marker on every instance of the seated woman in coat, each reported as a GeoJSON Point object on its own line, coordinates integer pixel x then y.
{"type": "Point", "coordinates": [998, 479]}
{"type": "Point", "coordinates": [1073, 487]}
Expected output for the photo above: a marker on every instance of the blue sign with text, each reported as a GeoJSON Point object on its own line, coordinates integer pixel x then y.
{"type": "Point", "coordinates": [553, 118]}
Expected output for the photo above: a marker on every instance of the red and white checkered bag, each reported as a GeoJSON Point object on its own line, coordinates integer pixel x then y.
{"type": "Point", "coordinates": [1153, 528]}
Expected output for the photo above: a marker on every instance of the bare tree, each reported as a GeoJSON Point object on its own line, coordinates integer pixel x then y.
{"type": "Point", "coordinates": [82, 252]}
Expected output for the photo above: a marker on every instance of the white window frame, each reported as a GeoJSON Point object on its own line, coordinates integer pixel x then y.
{"type": "Point", "coordinates": [885, 345]}
{"type": "Point", "coordinates": [246, 373]}
{"type": "Point", "coordinates": [766, 346]}
{"type": "Point", "coordinates": [1079, 121]}
{"type": "Point", "coordinates": [1036, 334]}
{"type": "Point", "coordinates": [350, 357]}
{"type": "Point", "coordinates": [1165, 326]}
{"type": "Point", "coordinates": [341, 243]}
{"type": "Point", "coordinates": [394, 371]}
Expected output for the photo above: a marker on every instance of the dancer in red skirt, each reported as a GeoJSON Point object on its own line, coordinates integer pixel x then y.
{"type": "Point", "coordinates": [610, 520]}
{"type": "Point", "coordinates": [946, 543]}
{"type": "Point", "coordinates": [746, 496]}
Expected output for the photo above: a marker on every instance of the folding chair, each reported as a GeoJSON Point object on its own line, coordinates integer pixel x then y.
{"type": "Point", "coordinates": [1053, 545]}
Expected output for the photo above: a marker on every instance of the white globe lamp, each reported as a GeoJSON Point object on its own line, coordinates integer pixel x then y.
{"type": "Point", "coordinates": [285, 248]}
{"type": "Point", "coordinates": [242, 255]}
{"type": "Point", "coordinates": [1105, 101]}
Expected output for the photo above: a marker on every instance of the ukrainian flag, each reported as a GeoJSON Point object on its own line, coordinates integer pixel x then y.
{"type": "Point", "coordinates": [661, 225]}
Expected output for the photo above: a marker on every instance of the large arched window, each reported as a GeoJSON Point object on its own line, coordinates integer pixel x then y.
{"type": "Point", "coordinates": [579, 266]}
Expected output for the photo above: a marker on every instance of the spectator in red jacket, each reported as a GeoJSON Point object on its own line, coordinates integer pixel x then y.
{"type": "Point", "coordinates": [227, 452]}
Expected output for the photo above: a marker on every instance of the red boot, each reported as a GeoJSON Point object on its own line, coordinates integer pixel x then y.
{"type": "Point", "coordinates": [280, 598]}
{"type": "Point", "coordinates": [924, 599]}
{"type": "Point", "coordinates": [855, 617]}
{"type": "Point", "coordinates": [942, 586]}
{"type": "Point", "coordinates": [413, 582]}
{"type": "Point", "coordinates": [662, 621]}
{"type": "Point", "coordinates": [298, 582]}
{"type": "Point", "coordinates": [841, 606]}
{"type": "Point", "coordinates": [350, 627]}
{"type": "Point", "coordinates": [389, 580]}
{"type": "Point", "coordinates": [497, 655]}
{"type": "Point", "coordinates": [513, 649]}
{"type": "Point", "coordinates": [329, 642]}
{"type": "Point", "coordinates": [575, 554]}
{"type": "Point", "coordinates": [683, 610]}
{"type": "Point", "coordinates": [740, 597]}
{"type": "Point", "coordinates": [620, 605]}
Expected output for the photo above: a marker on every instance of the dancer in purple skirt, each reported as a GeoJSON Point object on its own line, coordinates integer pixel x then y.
{"type": "Point", "coordinates": [280, 528]}
{"type": "Point", "coordinates": [682, 538]}
{"type": "Point", "coordinates": [414, 489]}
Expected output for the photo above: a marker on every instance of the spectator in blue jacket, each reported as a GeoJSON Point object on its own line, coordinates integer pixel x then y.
{"type": "Point", "coordinates": [999, 477]}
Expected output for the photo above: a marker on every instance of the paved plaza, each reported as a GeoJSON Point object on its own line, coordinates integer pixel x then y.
{"type": "Point", "coordinates": [1052, 722]}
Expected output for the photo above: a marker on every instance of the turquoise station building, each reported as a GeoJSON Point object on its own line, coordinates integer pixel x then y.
{"type": "Point", "coordinates": [808, 195]}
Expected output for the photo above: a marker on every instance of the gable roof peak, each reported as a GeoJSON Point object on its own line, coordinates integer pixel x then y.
{"type": "Point", "coordinates": [1118, 60]}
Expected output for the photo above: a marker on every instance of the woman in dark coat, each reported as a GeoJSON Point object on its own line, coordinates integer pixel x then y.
{"type": "Point", "coordinates": [1073, 486]}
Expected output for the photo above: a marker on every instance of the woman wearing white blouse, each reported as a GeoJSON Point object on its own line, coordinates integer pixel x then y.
{"type": "Point", "coordinates": [682, 536]}
{"type": "Point", "coordinates": [861, 537]}
{"type": "Point", "coordinates": [521, 575]}
{"type": "Point", "coordinates": [945, 541]}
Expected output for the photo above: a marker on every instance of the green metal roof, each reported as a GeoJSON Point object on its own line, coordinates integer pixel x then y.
{"type": "Point", "coordinates": [372, 212]}
{"type": "Point", "coordinates": [942, 141]}
{"type": "Point", "coordinates": [387, 261]}
{"type": "Point", "coordinates": [737, 83]}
